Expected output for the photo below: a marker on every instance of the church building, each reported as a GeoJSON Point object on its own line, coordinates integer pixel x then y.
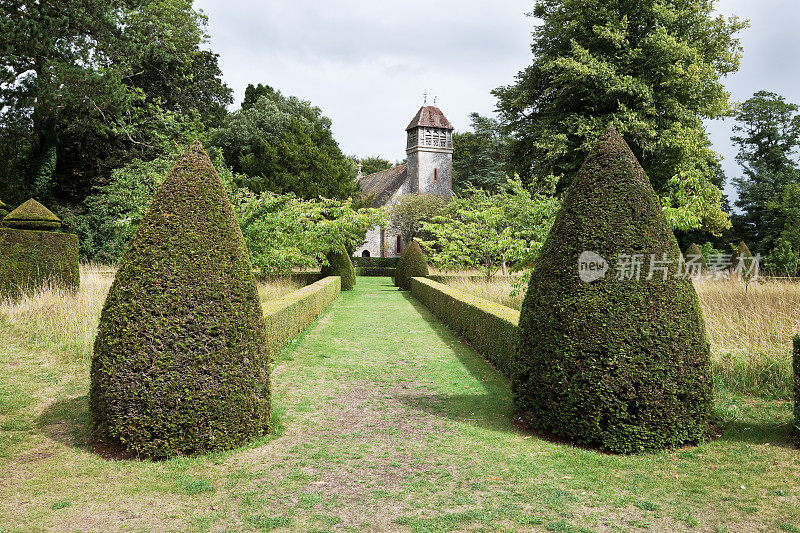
{"type": "Point", "coordinates": [429, 170]}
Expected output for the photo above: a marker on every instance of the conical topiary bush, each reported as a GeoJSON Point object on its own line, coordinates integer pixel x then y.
{"type": "Point", "coordinates": [180, 365]}
{"type": "Point", "coordinates": [696, 263]}
{"type": "Point", "coordinates": [412, 264]}
{"type": "Point", "coordinates": [340, 264]}
{"type": "Point", "coordinates": [620, 363]}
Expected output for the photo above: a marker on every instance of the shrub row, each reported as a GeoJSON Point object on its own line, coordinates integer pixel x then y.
{"type": "Point", "coordinates": [376, 262]}
{"type": "Point", "coordinates": [289, 315]}
{"type": "Point", "coordinates": [303, 278]}
{"type": "Point", "coordinates": [490, 328]}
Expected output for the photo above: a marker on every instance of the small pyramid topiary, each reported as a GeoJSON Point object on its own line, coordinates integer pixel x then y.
{"type": "Point", "coordinates": [610, 360]}
{"type": "Point", "coordinates": [180, 365]}
{"type": "Point", "coordinates": [742, 261]}
{"type": "Point", "coordinates": [32, 215]}
{"type": "Point", "coordinates": [33, 257]}
{"type": "Point", "coordinates": [340, 264]}
{"type": "Point", "coordinates": [694, 251]}
{"type": "Point", "coordinates": [412, 264]}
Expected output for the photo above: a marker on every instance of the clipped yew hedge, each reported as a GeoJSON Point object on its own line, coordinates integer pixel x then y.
{"type": "Point", "coordinates": [490, 328]}
{"type": "Point", "coordinates": [340, 264]}
{"type": "Point", "coordinates": [180, 363]}
{"type": "Point", "coordinates": [622, 364]}
{"type": "Point", "coordinates": [289, 315]}
{"type": "Point", "coordinates": [31, 259]}
{"type": "Point", "coordinates": [412, 264]}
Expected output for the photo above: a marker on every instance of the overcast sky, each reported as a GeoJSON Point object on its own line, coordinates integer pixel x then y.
{"type": "Point", "coordinates": [368, 63]}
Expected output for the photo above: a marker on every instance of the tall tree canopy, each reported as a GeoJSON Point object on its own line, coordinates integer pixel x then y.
{"type": "Point", "coordinates": [479, 155]}
{"type": "Point", "coordinates": [86, 86]}
{"type": "Point", "coordinates": [285, 145]}
{"type": "Point", "coordinates": [372, 164]}
{"type": "Point", "coordinates": [768, 137]}
{"type": "Point", "coordinates": [650, 68]}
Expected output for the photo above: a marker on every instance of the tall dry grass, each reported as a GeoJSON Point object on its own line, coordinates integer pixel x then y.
{"type": "Point", "coordinates": [55, 319]}
{"type": "Point", "coordinates": [59, 320]}
{"type": "Point", "coordinates": [750, 328]}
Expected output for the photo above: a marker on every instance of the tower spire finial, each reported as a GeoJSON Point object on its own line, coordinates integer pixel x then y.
{"type": "Point", "coordinates": [425, 98]}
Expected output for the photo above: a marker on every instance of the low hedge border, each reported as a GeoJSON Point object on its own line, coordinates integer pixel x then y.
{"type": "Point", "coordinates": [376, 262]}
{"type": "Point", "coordinates": [304, 278]}
{"type": "Point", "coordinates": [289, 315]}
{"type": "Point", "coordinates": [490, 328]}
{"type": "Point", "coordinates": [387, 272]}
{"type": "Point", "coordinates": [797, 385]}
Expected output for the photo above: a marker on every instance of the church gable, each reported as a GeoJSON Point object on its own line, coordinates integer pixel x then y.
{"type": "Point", "coordinates": [383, 185]}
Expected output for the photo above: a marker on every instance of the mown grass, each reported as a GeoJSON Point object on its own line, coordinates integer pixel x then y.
{"type": "Point", "coordinates": [750, 328]}
{"type": "Point", "coordinates": [389, 423]}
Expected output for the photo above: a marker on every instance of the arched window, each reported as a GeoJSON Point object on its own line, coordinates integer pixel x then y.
{"type": "Point", "coordinates": [399, 245]}
{"type": "Point", "coordinates": [365, 253]}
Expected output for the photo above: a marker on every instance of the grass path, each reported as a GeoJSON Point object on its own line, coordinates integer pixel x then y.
{"type": "Point", "coordinates": [387, 422]}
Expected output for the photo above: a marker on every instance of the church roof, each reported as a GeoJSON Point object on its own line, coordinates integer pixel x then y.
{"type": "Point", "coordinates": [382, 185]}
{"type": "Point", "coordinates": [430, 117]}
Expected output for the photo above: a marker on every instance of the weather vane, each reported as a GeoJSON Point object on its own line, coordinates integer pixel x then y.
{"type": "Point", "coordinates": [425, 98]}
{"type": "Point", "coordinates": [434, 100]}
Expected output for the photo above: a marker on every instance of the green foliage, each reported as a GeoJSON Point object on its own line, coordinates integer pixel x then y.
{"type": "Point", "coordinates": [201, 381]}
{"type": "Point", "coordinates": [769, 130]}
{"type": "Point", "coordinates": [623, 364]}
{"type": "Point", "coordinates": [489, 328]}
{"type": "Point", "coordinates": [338, 263]}
{"type": "Point", "coordinates": [783, 260]}
{"type": "Point", "coordinates": [3, 210]}
{"type": "Point", "coordinates": [412, 264]}
{"type": "Point", "coordinates": [32, 215]}
{"type": "Point", "coordinates": [411, 211]}
{"type": "Point", "coordinates": [796, 364]}
{"type": "Point", "coordinates": [31, 259]}
{"type": "Point", "coordinates": [651, 69]}
{"type": "Point", "coordinates": [253, 92]}
{"type": "Point", "coordinates": [283, 232]}
{"type": "Point", "coordinates": [479, 155]}
{"type": "Point", "coordinates": [285, 145]}
{"type": "Point", "coordinates": [373, 164]}
{"type": "Point", "coordinates": [488, 231]}
{"type": "Point", "coordinates": [91, 85]}
{"type": "Point", "coordinates": [290, 315]}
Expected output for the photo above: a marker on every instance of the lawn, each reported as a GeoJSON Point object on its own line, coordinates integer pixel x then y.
{"type": "Point", "coordinates": [386, 422]}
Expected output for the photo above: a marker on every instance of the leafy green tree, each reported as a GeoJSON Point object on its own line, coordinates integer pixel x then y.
{"type": "Point", "coordinates": [783, 260]}
{"type": "Point", "coordinates": [88, 86]}
{"type": "Point", "coordinates": [373, 164]}
{"type": "Point", "coordinates": [283, 232]}
{"type": "Point", "coordinates": [490, 231]}
{"type": "Point", "coordinates": [769, 135]}
{"type": "Point", "coordinates": [410, 211]}
{"type": "Point", "coordinates": [479, 155]}
{"type": "Point", "coordinates": [650, 68]}
{"type": "Point", "coordinates": [253, 92]}
{"type": "Point", "coordinates": [285, 145]}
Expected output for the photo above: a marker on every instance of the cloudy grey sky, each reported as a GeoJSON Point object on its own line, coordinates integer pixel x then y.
{"type": "Point", "coordinates": [367, 63]}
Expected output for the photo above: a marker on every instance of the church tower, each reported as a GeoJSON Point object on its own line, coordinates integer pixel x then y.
{"type": "Point", "coordinates": [430, 153]}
